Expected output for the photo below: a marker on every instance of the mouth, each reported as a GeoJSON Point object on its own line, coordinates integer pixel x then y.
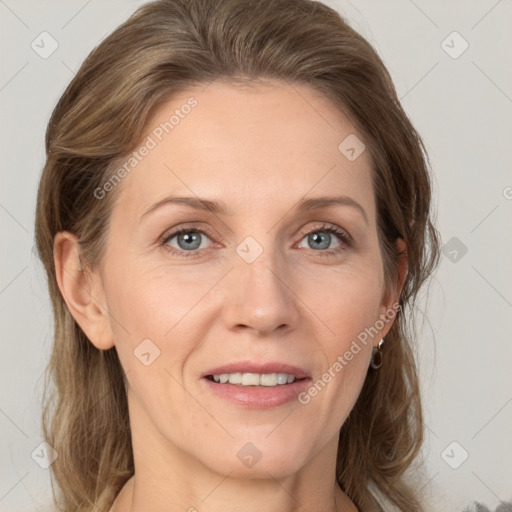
{"type": "Point", "coordinates": [257, 385]}
{"type": "Point", "coordinates": [254, 379]}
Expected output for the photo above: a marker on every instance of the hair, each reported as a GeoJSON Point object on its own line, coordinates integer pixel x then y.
{"type": "Point", "coordinates": [165, 47]}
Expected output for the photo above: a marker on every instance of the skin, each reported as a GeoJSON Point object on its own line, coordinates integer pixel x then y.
{"type": "Point", "coordinates": [260, 149]}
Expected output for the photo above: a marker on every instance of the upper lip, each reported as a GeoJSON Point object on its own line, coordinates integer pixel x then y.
{"type": "Point", "coordinates": [260, 367]}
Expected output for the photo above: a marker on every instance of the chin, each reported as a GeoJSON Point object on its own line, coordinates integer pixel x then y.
{"type": "Point", "coordinates": [259, 458]}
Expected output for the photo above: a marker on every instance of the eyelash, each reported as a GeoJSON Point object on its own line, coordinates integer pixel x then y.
{"type": "Point", "coordinates": [344, 237]}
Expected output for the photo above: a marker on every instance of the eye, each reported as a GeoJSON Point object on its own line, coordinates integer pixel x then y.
{"type": "Point", "coordinates": [188, 241]}
{"type": "Point", "coordinates": [322, 239]}
{"type": "Point", "coordinates": [185, 240]}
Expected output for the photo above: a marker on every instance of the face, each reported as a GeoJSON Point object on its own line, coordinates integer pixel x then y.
{"type": "Point", "coordinates": [251, 275]}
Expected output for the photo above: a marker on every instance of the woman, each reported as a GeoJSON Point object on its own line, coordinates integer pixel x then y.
{"type": "Point", "coordinates": [235, 220]}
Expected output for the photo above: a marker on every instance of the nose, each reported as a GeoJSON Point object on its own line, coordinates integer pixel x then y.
{"type": "Point", "coordinates": [260, 298]}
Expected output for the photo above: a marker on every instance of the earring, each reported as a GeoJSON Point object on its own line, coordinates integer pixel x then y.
{"type": "Point", "coordinates": [376, 359]}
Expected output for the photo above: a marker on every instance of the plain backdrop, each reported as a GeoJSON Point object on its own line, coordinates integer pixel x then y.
{"type": "Point", "coordinates": [450, 61]}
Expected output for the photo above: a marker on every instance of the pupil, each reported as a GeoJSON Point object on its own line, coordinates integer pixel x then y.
{"type": "Point", "coordinates": [317, 238]}
{"type": "Point", "coordinates": [189, 239]}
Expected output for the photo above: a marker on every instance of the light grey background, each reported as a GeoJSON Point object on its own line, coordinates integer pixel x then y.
{"type": "Point", "coordinates": [461, 106]}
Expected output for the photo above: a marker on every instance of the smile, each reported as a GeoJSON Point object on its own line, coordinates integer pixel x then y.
{"type": "Point", "coordinates": [256, 384]}
{"type": "Point", "coordinates": [254, 379]}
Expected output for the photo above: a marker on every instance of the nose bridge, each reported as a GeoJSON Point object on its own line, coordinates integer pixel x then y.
{"type": "Point", "coordinates": [260, 297]}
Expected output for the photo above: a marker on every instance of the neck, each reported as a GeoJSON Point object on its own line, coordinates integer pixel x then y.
{"type": "Point", "coordinates": [133, 498]}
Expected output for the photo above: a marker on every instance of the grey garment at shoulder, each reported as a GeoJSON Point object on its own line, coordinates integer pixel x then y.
{"type": "Point", "coordinates": [478, 507]}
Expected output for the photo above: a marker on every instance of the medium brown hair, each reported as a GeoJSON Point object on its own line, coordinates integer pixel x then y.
{"type": "Point", "coordinates": [165, 47]}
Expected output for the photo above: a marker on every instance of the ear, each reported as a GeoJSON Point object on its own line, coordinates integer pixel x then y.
{"type": "Point", "coordinates": [389, 305]}
{"type": "Point", "coordinates": [82, 291]}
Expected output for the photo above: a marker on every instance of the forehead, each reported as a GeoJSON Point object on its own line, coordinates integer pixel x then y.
{"type": "Point", "coordinates": [252, 146]}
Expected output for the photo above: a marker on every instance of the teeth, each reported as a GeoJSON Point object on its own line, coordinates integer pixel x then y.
{"type": "Point", "coordinates": [250, 379]}
{"type": "Point", "coordinates": [254, 379]}
{"type": "Point", "coordinates": [282, 378]}
{"type": "Point", "coordinates": [235, 378]}
{"type": "Point", "coordinates": [269, 379]}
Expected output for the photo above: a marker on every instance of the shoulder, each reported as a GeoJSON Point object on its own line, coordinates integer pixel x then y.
{"type": "Point", "coordinates": [478, 507]}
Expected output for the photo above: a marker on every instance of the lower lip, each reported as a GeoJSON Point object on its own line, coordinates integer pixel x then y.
{"type": "Point", "coordinates": [258, 397]}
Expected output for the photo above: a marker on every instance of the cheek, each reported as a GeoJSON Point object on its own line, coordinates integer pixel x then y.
{"type": "Point", "coordinates": [155, 327]}
{"type": "Point", "coordinates": [158, 319]}
{"type": "Point", "coordinates": [153, 304]}
{"type": "Point", "coordinates": [347, 304]}
{"type": "Point", "coordinates": [346, 301]}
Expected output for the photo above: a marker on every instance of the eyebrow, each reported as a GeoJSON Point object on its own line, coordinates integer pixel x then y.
{"type": "Point", "coordinates": [220, 208]}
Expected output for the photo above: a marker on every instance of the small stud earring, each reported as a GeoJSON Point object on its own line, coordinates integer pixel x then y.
{"type": "Point", "coordinates": [376, 359]}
